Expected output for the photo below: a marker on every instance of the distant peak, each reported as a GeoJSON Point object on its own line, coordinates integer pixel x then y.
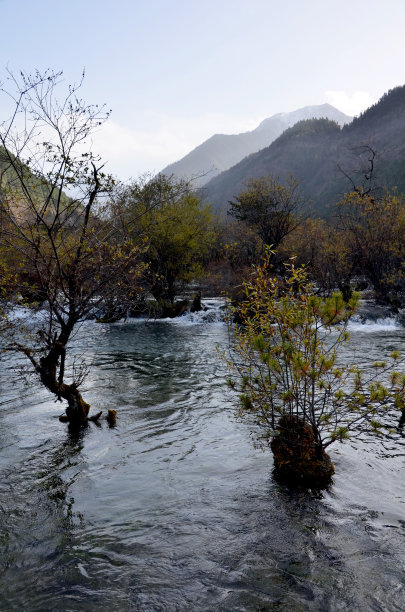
{"type": "Point", "coordinates": [318, 111]}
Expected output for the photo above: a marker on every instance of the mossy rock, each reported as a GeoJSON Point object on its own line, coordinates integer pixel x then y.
{"type": "Point", "coordinates": [298, 461]}
{"type": "Point", "coordinates": [110, 317]}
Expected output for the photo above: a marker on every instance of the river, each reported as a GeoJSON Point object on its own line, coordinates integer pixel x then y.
{"type": "Point", "coordinates": [176, 508]}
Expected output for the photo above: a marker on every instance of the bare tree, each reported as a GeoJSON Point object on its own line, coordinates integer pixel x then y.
{"type": "Point", "coordinates": [63, 251]}
{"type": "Point", "coordinates": [362, 174]}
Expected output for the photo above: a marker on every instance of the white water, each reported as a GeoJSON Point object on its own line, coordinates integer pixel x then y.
{"type": "Point", "coordinates": [212, 312]}
{"type": "Point", "coordinates": [389, 324]}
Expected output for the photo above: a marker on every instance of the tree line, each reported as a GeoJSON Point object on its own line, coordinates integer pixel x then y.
{"type": "Point", "coordinates": [361, 246]}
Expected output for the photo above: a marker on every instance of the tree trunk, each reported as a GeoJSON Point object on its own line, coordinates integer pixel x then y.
{"type": "Point", "coordinates": [77, 410]}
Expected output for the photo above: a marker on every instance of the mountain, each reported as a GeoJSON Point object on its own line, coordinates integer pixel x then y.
{"type": "Point", "coordinates": [13, 180]}
{"type": "Point", "coordinates": [326, 158]}
{"type": "Point", "coordinates": [222, 151]}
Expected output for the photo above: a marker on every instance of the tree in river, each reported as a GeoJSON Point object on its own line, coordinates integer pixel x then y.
{"type": "Point", "coordinates": [177, 227]}
{"type": "Point", "coordinates": [62, 254]}
{"type": "Point", "coordinates": [273, 210]}
{"type": "Point", "coordinates": [286, 356]}
{"type": "Point", "coordinates": [374, 229]}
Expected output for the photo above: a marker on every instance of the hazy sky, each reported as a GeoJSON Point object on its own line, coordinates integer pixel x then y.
{"type": "Point", "coordinates": [175, 72]}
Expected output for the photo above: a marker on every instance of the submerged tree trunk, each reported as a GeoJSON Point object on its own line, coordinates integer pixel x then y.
{"type": "Point", "coordinates": [77, 410]}
{"type": "Point", "coordinates": [298, 458]}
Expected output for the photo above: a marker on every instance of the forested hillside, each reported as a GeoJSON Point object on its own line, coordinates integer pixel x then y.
{"type": "Point", "coordinates": [328, 160]}
{"type": "Point", "coordinates": [222, 151]}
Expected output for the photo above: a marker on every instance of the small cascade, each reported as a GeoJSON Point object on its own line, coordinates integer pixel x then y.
{"type": "Point", "coordinates": [360, 324]}
{"type": "Point", "coordinates": [374, 318]}
{"type": "Point", "coordinates": [213, 311]}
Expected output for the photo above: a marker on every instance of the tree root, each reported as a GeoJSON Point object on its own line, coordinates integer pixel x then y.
{"type": "Point", "coordinates": [64, 418]}
{"type": "Point", "coordinates": [95, 417]}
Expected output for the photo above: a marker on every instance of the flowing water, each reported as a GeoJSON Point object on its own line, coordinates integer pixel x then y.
{"type": "Point", "coordinates": [175, 509]}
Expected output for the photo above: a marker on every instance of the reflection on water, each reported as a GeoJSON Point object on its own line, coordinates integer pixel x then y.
{"type": "Point", "coordinates": [175, 509]}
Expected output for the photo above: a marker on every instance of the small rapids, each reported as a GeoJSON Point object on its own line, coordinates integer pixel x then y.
{"type": "Point", "coordinates": [372, 318]}
{"type": "Point", "coordinates": [175, 509]}
{"type": "Point", "coordinates": [213, 311]}
{"type": "Point", "coordinates": [388, 324]}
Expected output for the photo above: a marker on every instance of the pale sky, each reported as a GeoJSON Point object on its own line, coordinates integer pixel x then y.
{"type": "Point", "coordinates": [175, 72]}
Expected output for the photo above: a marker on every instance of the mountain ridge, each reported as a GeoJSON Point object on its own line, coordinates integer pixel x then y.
{"type": "Point", "coordinates": [326, 158]}
{"type": "Point", "coordinates": [222, 151]}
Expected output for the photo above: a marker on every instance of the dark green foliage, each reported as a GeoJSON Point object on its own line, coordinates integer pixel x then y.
{"type": "Point", "coordinates": [309, 127]}
{"type": "Point", "coordinates": [391, 103]}
{"type": "Point", "coordinates": [271, 209]}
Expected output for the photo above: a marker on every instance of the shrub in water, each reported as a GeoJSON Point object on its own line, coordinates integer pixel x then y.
{"type": "Point", "coordinates": [284, 352]}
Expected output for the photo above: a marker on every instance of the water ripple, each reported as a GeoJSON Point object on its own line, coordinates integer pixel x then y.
{"type": "Point", "coordinates": [175, 509]}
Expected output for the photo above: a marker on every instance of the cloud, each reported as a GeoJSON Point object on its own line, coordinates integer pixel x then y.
{"type": "Point", "coordinates": [352, 104]}
{"type": "Point", "coordinates": [156, 140]}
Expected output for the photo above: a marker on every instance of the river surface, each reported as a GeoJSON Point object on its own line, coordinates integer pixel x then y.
{"type": "Point", "coordinates": [175, 508]}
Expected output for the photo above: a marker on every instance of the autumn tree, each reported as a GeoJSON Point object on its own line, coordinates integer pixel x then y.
{"type": "Point", "coordinates": [326, 252]}
{"type": "Point", "coordinates": [375, 232]}
{"type": "Point", "coordinates": [285, 358]}
{"type": "Point", "coordinates": [272, 209]}
{"type": "Point", "coordinates": [176, 228]}
{"type": "Point", "coordinates": [66, 255]}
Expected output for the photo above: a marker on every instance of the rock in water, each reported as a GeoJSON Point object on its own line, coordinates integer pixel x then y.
{"type": "Point", "coordinates": [297, 459]}
{"type": "Point", "coordinates": [197, 306]}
